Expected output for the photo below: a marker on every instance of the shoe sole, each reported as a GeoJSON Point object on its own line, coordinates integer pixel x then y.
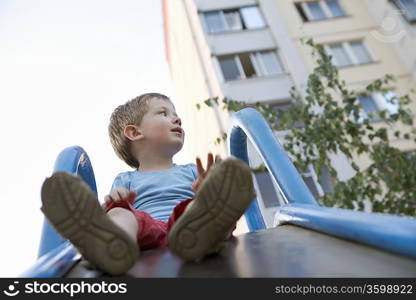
{"type": "Point", "coordinates": [222, 199]}
{"type": "Point", "coordinates": [74, 211]}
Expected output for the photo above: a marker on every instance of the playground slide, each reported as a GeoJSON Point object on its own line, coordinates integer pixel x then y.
{"type": "Point", "coordinates": [307, 241]}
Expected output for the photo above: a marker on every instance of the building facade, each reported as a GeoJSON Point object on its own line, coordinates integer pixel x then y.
{"type": "Point", "coordinates": [397, 27]}
{"type": "Point", "coordinates": [251, 50]}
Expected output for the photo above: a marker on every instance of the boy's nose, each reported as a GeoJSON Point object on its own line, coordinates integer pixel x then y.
{"type": "Point", "coordinates": [177, 120]}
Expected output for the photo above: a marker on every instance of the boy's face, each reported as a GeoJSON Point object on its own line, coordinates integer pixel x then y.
{"type": "Point", "coordinates": [161, 126]}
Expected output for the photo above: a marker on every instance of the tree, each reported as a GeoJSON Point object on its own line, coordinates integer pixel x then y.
{"type": "Point", "coordinates": [329, 120]}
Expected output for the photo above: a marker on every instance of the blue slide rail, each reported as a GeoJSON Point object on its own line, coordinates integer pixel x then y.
{"type": "Point", "coordinates": [56, 255]}
{"type": "Point", "coordinates": [388, 232]}
{"type": "Point", "coordinates": [249, 123]}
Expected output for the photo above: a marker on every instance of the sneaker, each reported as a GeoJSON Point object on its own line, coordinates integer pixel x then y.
{"type": "Point", "coordinates": [74, 211]}
{"type": "Point", "coordinates": [209, 219]}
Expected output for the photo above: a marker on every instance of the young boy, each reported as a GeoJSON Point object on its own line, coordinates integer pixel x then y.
{"type": "Point", "coordinates": [189, 209]}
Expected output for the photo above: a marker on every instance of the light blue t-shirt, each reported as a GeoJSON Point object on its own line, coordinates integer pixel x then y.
{"type": "Point", "coordinates": [160, 191]}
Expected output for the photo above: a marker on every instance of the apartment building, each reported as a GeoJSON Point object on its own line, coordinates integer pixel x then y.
{"type": "Point", "coordinates": [251, 50]}
{"type": "Point", "coordinates": [355, 33]}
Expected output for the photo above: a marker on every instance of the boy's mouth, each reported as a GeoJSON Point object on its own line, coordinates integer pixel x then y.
{"type": "Point", "coordinates": [177, 129]}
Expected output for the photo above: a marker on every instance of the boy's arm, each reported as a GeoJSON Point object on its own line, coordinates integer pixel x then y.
{"type": "Point", "coordinates": [119, 194]}
{"type": "Point", "coordinates": [202, 173]}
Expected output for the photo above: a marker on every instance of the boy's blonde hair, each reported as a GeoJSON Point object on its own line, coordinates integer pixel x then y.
{"type": "Point", "coordinates": [130, 113]}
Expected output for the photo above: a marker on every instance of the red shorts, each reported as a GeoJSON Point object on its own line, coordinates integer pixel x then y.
{"type": "Point", "coordinates": [152, 233]}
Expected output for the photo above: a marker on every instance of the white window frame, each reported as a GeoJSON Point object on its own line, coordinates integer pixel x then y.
{"type": "Point", "coordinates": [323, 5]}
{"type": "Point", "coordinates": [217, 64]}
{"type": "Point", "coordinates": [260, 62]}
{"type": "Point", "coordinates": [328, 10]}
{"type": "Point", "coordinates": [206, 25]}
{"type": "Point", "coordinates": [307, 12]}
{"type": "Point", "coordinates": [263, 69]}
{"type": "Point", "coordinates": [257, 62]}
{"type": "Point", "coordinates": [245, 21]}
{"type": "Point", "coordinates": [381, 103]}
{"type": "Point", "coordinates": [350, 53]}
{"type": "Point", "coordinates": [329, 51]}
{"type": "Point", "coordinates": [224, 21]}
{"type": "Point", "coordinates": [348, 49]}
{"type": "Point", "coordinates": [240, 67]}
{"type": "Point", "coordinates": [366, 49]}
{"type": "Point", "coordinates": [363, 114]}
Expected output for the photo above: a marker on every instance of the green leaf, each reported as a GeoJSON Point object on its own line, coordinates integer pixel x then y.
{"type": "Point", "coordinates": [208, 102]}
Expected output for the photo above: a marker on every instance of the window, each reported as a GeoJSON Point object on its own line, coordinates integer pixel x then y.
{"type": "Point", "coordinates": [269, 63]}
{"type": "Point", "coordinates": [327, 182]}
{"type": "Point", "coordinates": [268, 192]}
{"type": "Point", "coordinates": [214, 22]}
{"type": "Point", "coordinates": [252, 17]}
{"type": "Point", "coordinates": [314, 10]}
{"type": "Point", "coordinates": [374, 103]}
{"type": "Point", "coordinates": [340, 56]}
{"type": "Point", "coordinates": [369, 107]}
{"type": "Point", "coordinates": [410, 155]}
{"type": "Point", "coordinates": [388, 101]}
{"type": "Point", "coordinates": [335, 8]}
{"type": "Point", "coordinates": [233, 19]}
{"type": "Point", "coordinates": [408, 7]}
{"type": "Point", "coordinates": [272, 197]}
{"type": "Point", "coordinates": [279, 106]}
{"type": "Point", "coordinates": [230, 67]}
{"type": "Point", "coordinates": [311, 180]}
{"type": "Point", "coordinates": [320, 10]}
{"type": "Point", "coordinates": [312, 186]}
{"type": "Point", "coordinates": [360, 52]}
{"type": "Point", "coordinates": [246, 65]}
{"type": "Point", "coordinates": [348, 53]}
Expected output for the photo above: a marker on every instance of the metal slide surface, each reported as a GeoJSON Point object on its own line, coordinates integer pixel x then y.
{"type": "Point", "coordinates": [284, 251]}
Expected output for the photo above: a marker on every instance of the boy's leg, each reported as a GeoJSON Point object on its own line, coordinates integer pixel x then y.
{"type": "Point", "coordinates": [150, 233]}
{"type": "Point", "coordinates": [126, 220]}
{"type": "Point", "coordinates": [208, 220]}
{"type": "Point", "coordinates": [76, 214]}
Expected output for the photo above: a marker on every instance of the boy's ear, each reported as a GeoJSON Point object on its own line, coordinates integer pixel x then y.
{"type": "Point", "coordinates": [133, 133]}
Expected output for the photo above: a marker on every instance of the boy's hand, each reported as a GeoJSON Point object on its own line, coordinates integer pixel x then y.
{"type": "Point", "coordinates": [118, 195]}
{"type": "Point", "coordinates": [203, 173]}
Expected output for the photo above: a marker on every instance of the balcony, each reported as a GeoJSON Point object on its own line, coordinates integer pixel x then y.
{"type": "Point", "coordinates": [237, 41]}
{"type": "Point", "coordinates": [251, 90]}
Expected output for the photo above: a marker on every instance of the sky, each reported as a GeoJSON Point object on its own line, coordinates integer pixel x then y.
{"type": "Point", "coordinates": [64, 67]}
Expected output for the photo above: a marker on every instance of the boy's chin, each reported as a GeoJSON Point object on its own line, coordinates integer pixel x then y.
{"type": "Point", "coordinates": [177, 147]}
